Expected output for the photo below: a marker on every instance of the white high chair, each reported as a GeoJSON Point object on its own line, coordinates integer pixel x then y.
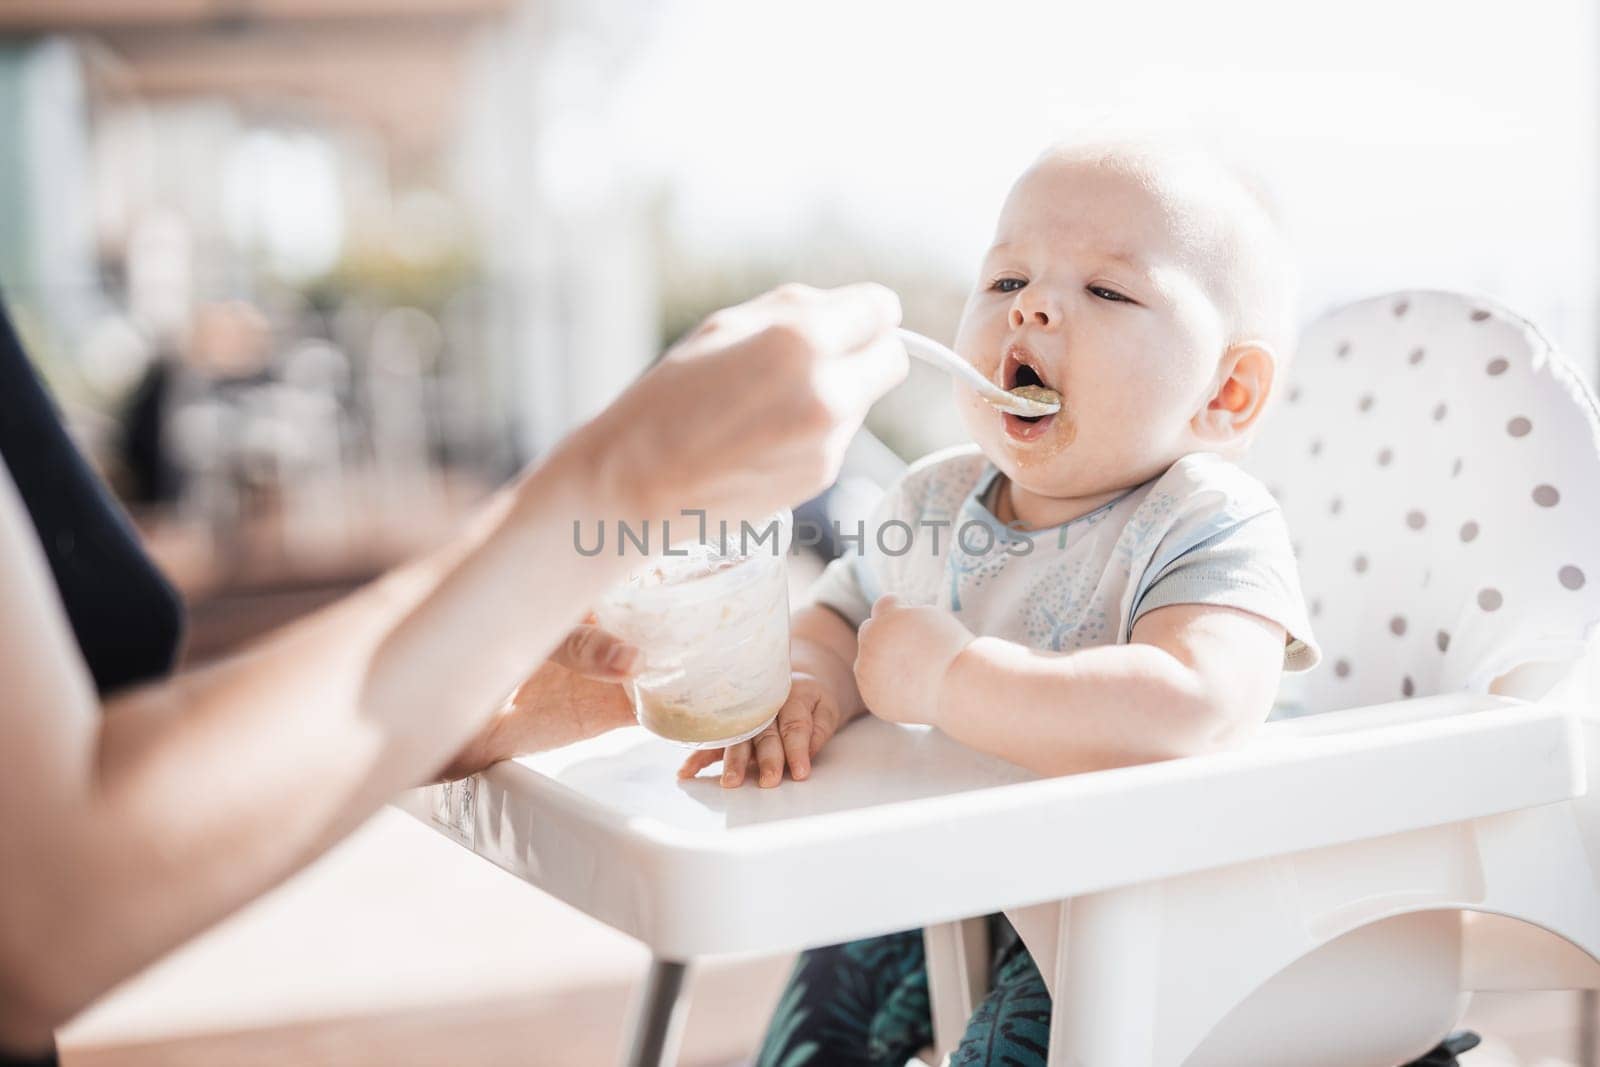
{"type": "Point", "coordinates": [1439, 465]}
{"type": "Point", "coordinates": [1299, 900]}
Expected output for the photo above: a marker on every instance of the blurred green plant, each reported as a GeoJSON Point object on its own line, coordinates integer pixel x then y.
{"type": "Point", "coordinates": [379, 274]}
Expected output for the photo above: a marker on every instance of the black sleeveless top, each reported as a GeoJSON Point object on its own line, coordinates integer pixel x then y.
{"type": "Point", "coordinates": [125, 616]}
{"type": "Point", "coordinates": [127, 619]}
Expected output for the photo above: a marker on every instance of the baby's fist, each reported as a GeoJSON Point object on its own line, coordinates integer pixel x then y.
{"type": "Point", "coordinates": [902, 654]}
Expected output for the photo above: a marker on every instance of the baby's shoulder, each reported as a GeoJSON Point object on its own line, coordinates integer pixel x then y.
{"type": "Point", "coordinates": [1199, 497]}
{"type": "Point", "coordinates": [941, 480]}
{"type": "Point", "coordinates": [1204, 483]}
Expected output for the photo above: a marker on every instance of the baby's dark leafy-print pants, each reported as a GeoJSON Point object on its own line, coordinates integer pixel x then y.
{"type": "Point", "coordinates": [865, 1004]}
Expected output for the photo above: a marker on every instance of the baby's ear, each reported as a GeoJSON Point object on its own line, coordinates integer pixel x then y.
{"type": "Point", "coordinates": [1244, 383]}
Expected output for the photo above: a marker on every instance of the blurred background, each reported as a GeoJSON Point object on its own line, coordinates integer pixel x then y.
{"type": "Point", "coordinates": [310, 276]}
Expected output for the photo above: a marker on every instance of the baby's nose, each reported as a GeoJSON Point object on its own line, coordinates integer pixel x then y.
{"type": "Point", "coordinates": [1038, 315]}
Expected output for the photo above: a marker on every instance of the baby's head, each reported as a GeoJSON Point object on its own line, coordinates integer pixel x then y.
{"type": "Point", "coordinates": [1152, 289]}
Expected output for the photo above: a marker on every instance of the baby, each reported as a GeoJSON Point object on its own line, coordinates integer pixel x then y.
{"type": "Point", "coordinates": [1089, 589]}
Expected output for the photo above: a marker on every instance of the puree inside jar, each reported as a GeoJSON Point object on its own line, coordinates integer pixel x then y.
{"type": "Point", "coordinates": [692, 725]}
{"type": "Point", "coordinates": [714, 629]}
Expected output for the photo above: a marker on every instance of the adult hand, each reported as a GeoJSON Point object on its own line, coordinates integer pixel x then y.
{"type": "Point", "coordinates": [753, 410]}
{"type": "Point", "coordinates": [576, 693]}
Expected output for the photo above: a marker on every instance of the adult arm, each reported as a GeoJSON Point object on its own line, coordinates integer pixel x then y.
{"type": "Point", "coordinates": [129, 828]}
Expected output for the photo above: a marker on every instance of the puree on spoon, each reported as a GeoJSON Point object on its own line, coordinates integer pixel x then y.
{"type": "Point", "coordinates": [1037, 393]}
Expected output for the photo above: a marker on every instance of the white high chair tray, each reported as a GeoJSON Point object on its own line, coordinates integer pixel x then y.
{"type": "Point", "coordinates": [900, 827]}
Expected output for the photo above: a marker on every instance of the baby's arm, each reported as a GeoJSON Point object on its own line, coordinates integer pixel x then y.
{"type": "Point", "coordinates": [823, 645]}
{"type": "Point", "coordinates": [1194, 678]}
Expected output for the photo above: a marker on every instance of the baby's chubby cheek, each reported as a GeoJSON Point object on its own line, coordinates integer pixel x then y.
{"type": "Point", "coordinates": [1122, 444]}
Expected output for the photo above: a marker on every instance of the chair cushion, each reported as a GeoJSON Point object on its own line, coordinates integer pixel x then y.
{"type": "Point", "coordinates": [1439, 466]}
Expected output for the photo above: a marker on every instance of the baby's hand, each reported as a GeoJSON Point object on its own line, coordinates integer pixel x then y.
{"type": "Point", "coordinates": [804, 724]}
{"type": "Point", "coordinates": [902, 655]}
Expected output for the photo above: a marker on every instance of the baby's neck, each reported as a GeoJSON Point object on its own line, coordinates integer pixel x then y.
{"type": "Point", "coordinates": [1015, 506]}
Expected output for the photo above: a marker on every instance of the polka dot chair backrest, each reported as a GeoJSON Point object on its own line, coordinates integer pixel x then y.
{"type": "Point", "coordinates": [1439, 467]}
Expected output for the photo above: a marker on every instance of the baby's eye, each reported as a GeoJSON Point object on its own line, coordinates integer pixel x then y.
{"type": "Point", "coordinates": [1109, 294]}
{"type": "Point", "coordinates": [1007, 285]}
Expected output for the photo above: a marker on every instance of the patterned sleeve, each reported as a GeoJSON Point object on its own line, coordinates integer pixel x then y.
{"type": "Point", "coordinates": [1233, 556]}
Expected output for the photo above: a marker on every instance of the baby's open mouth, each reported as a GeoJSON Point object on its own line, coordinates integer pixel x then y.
{"type": "Point", "coordinates": [1021, 373]}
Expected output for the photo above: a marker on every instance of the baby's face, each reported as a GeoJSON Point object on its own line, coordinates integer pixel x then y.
{"type": "Point", "coordinates": [1090, 290]}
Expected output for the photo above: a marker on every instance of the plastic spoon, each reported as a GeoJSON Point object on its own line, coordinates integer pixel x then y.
{"type": "Point", "coordinates": [931, 351]}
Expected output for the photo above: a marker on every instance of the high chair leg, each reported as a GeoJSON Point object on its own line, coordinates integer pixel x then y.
{"type": "Point", "coordinates": [1107, 975]}
{"type": "Point", "coordinates": [957, 957]}
{"type": "Point", "coordinates": [659, 1011]}
{"type": "Point", "coordinates": [1588, 1028]}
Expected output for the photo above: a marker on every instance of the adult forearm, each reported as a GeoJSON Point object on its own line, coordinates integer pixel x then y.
{"type": "Point", "coordinates": [216, 785]}
{"type": "Point", "coordinates": [1067, 713]}
{"type": "Point", "coordinates": [139, 826]}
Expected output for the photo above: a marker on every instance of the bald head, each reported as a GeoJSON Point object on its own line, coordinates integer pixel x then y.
{"type": "Point", "coordinates": [1220, 218]}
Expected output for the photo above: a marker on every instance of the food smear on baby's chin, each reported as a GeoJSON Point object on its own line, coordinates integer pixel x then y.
{"type": "Point", "coordinates": [1037, 441]}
